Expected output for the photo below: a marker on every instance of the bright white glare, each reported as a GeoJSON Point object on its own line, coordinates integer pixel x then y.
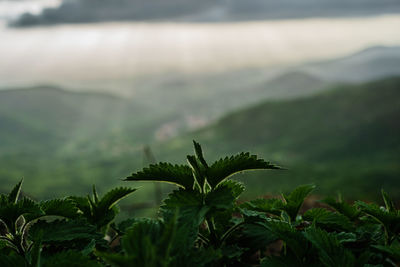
{"type": "Point", "coordinates": [14, 8]}
{"type": "Point", "coordinates": [88, 54]}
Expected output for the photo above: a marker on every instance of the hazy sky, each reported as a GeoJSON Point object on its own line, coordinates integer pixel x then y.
{"type": "Point", "coordinates": [88, 54]}
{"type": "Point", "coordinates": [116, 54]}
{"type": "Point", "coordinates": [12, 9]}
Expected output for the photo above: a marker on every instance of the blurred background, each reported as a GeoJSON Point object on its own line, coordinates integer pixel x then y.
{"type": "Point", "coordinates": [93, 90]}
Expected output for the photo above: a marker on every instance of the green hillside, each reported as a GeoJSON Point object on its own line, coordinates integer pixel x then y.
{"type": "Point", "coordinates": [60, 119]}
{"type": "Point", "coordinates": [346, 138]}
{"type": "Point", "coordinates": [62, 142]}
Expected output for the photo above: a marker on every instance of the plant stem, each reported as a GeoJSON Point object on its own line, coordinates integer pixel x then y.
{"type": "Point", "coordinates": [230, 231]}
{"type": "Point", "coordinates": [203, 238]}
{"type": "Point", "coordinates": [213, 234]}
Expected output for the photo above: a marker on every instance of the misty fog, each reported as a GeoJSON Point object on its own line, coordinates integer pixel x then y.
{"type": "Point", "coordinates": [116, 56]}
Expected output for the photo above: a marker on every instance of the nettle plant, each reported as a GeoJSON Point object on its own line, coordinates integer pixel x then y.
{"type": "Point", "coordinates": [200, 223]}
{"type": "Point", "coordinates": [59, 231]}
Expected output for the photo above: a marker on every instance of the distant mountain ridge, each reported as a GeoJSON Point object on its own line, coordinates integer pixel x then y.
{"type": "Point", "coordinates": [339, 136]}
{"type": "Point", "coordinates": [52, 120]}
{"type": "Point", "coordinates": [187, 101]}
{"type": "Point", "coordinates": [369, 64]}
{"type": "Point", "coordinates": [42, 128]}
{"type": "Point", "coordinates": [68, 118]}
{"type": "Point", "coordinates": [346, 139]}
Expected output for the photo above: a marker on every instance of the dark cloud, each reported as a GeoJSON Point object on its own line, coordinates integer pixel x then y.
{"type": "Point", "coordinates": [82, 11]}
{"type": "Point", "coordinates": [77, 11]}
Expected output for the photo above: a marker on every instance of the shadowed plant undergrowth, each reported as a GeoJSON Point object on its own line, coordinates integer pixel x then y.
{"type": "Point", "coordinates": [200, 223]}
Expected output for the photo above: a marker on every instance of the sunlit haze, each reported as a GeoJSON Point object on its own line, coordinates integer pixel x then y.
{"type": "Point", "coordinates": [118, 53]}
{"type": "Point", "coordinates": [12, 9]}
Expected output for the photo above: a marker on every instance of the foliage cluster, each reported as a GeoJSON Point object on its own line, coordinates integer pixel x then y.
{"type": "Point", "coordinates": [200, 224]}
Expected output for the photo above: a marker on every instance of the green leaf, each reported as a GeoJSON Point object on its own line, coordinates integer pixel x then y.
{"type": "Point", "coordinates": [3, 244]}
{"type": "Point", "coordinates": [118, 260]}
{"type": "Point", "coordinates": [393, 251]}
{"type": "Point", "coordinates": [14, 194]}
{"type": "Point", "coordinates": [189, 205]}
{"type": "Point", "coordinates": [296, 198]}
{"type": "Point", "coordinates": [226, 167]}
{"type": "Point", "coordinates": [35, 254]}
{"type": "Point", "coordinates": [123, 226]}
{"type": "Point", "coordinates": [101, 220]}
{"type": "Point", "coordinates": [257, 236]}
{"type": "Point", "coordinates": [141, 236]}
{"type": "Point", "coordinates": [225, 195]}
{"type": "Point", "coordinates": [95, 195]}
{"type": "Point", "coordinates": [191, 213]}
{"type": "Point", "coordinates": [388, 202]}
{"type": "Point", "coordinates": [270, 205]}
{"type": "Point", "coordinates": [199, 257]}
{"type": "Point", "coordinates": [82, 203]}
{"type": "Point", "coordinates": [260, 234]}
{"type": "Point", "coordinates": [150, 242]}
{"type": "Point", "coordinates": [69, 258]}
{"type": "Point", "coordinates": [113, 196]}
{"type": "Point", "coordinates": [3, 200]}
{"type": "Point", "coordinates": [89, 248]}
{"type": "Point", "coordinates": [62, 230]}
{"type": "Point", "coordinates": [365, 257]}
{"type": "Point", "coordinates": [344, 237]}
{"type": "Point", "coordinates": [165, 172]}
{"type": "Point", "coordinates": [391, 220]}
{"type": "Point", "coordinates": [198, 173]}
{"type": "Point", "coordinates": [328, 219]}
{"type": "Point", "coordinates": [251, 216]}
{"type": "Point", "coordinates": [12, 260]}
{"type": "Point", "coordinates": [59, 207]}
{"type": "Point", "coordinates": [199, 153]}
{"type": "Point", "coordinates": [235, 187]}
{"type": "Point", "coordinates": [330, 251]}
{"type": "Point", "coordinates": [370, 230]}
{"type": "Point", "coordinates": [103, 211]}
{"type": "Point", "coordinates": [294, 239]}
{"type": "Point", "coordinates": [182, 199]}
{"type": "Point", "coordinates": [280, 261]}
{"type": "Point", "coordinates": [344, 208]}
{"type": "Point", "coordinates": [9, 213]}
{"type": "Point", "coordinates": [231, 254]}
{"type": "Point", "coordinates": [168, 241]}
